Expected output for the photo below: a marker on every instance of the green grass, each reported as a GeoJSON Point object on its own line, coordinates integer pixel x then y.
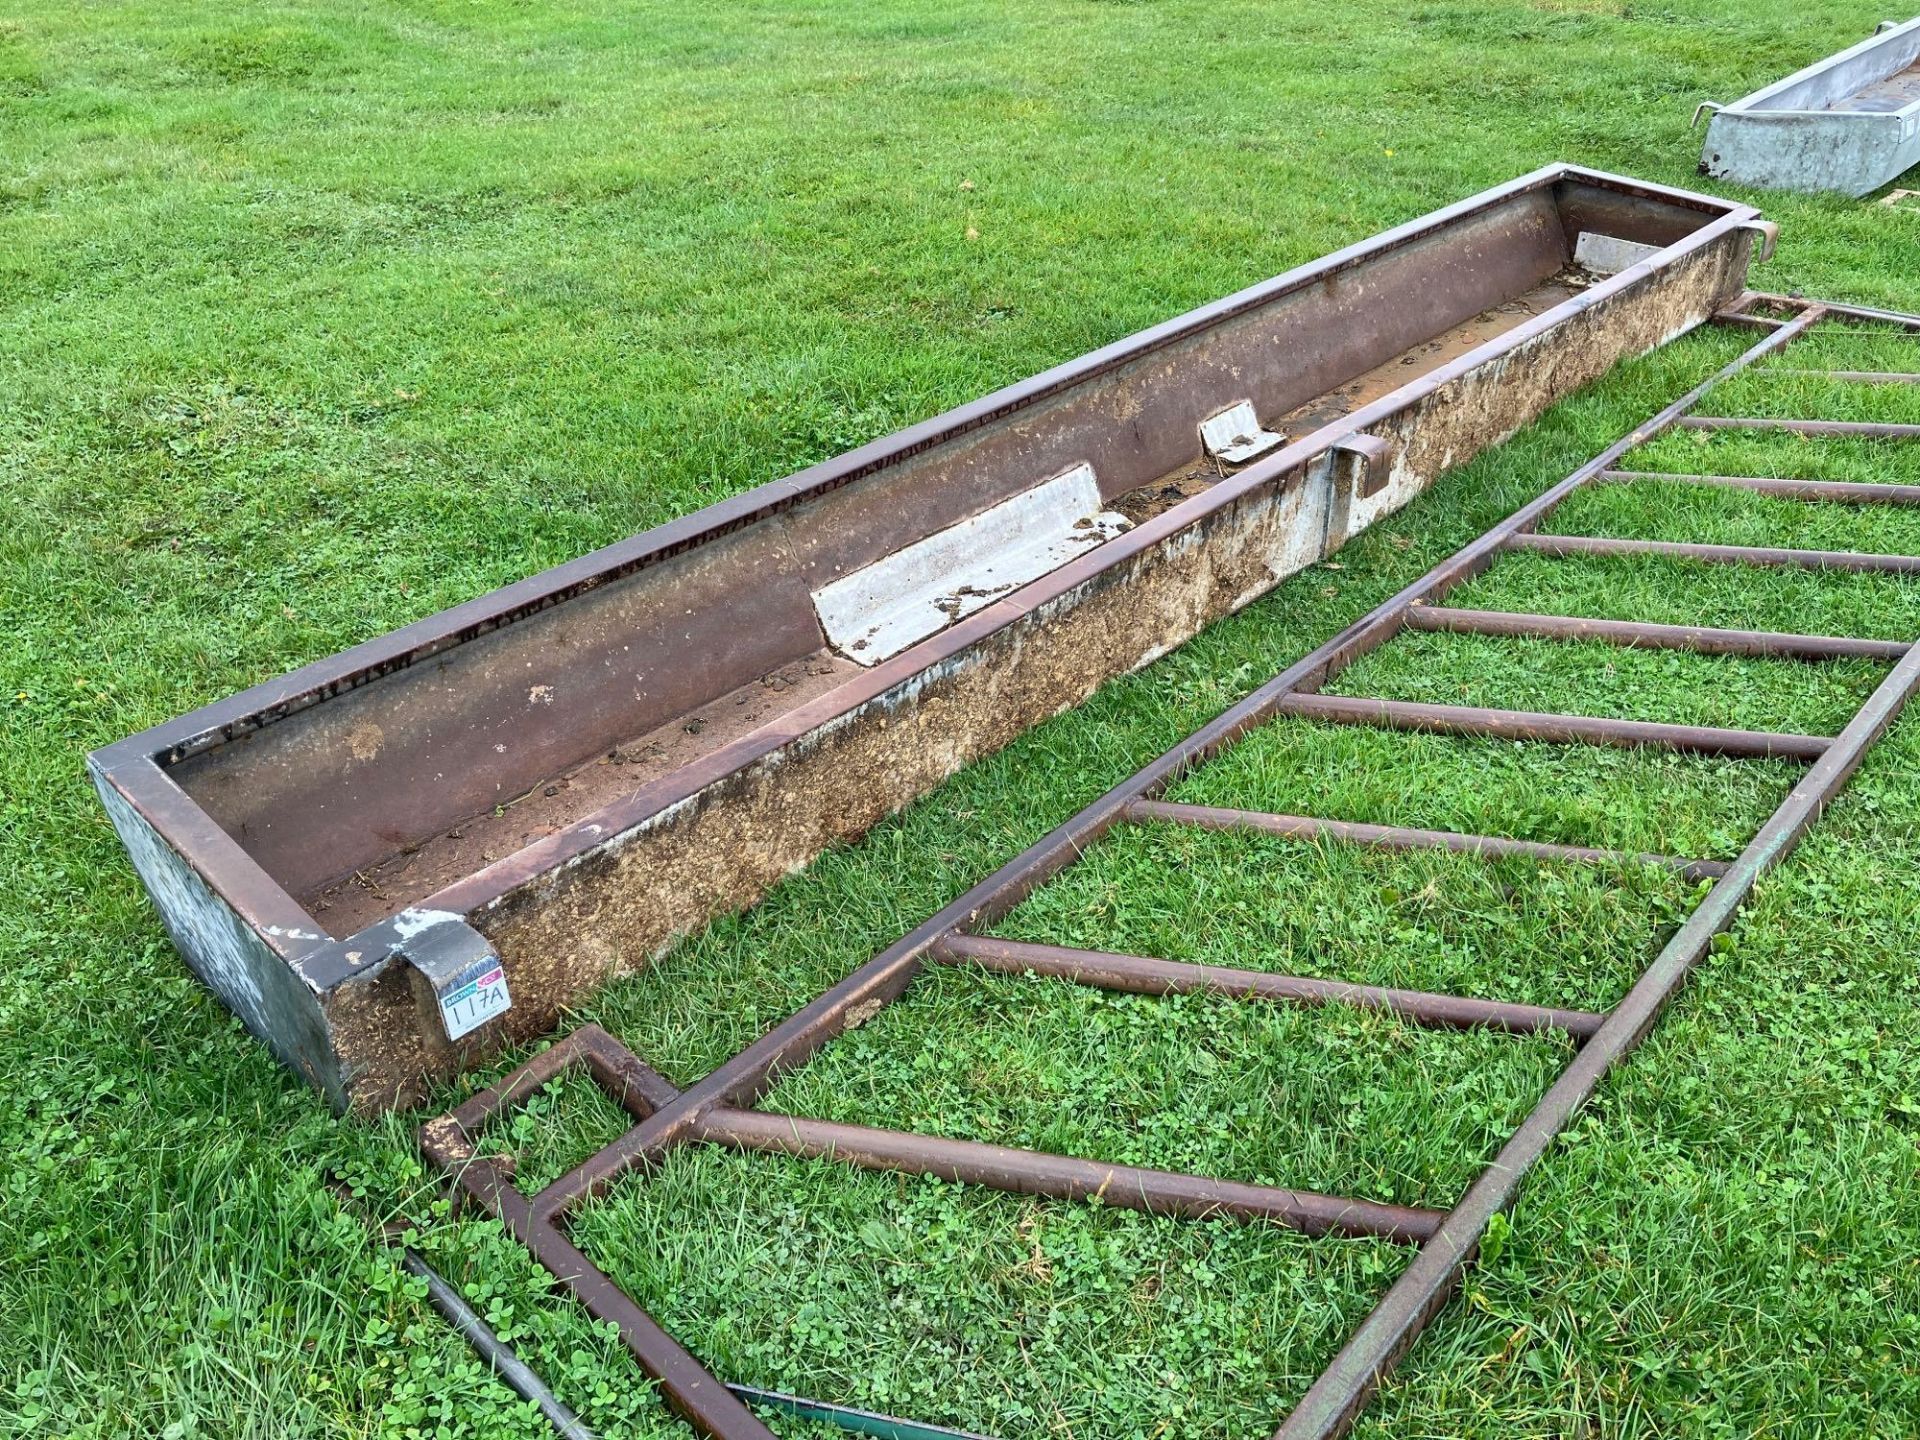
{"type": "Point", "coordinates": [314, 320]}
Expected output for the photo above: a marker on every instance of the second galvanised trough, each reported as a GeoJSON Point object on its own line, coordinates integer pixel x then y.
{"type": "Point", "coordinates": [392, 860]}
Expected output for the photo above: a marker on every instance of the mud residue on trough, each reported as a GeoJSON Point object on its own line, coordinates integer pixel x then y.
{"type": "Point", "coordinates": [1163, 494]}
{"type": "Point", "coordinates": [559, 800]}
{"type": "Point", "coordinates": [1430, 355]}
{"type": "Point", "coordinates": [567, 929]}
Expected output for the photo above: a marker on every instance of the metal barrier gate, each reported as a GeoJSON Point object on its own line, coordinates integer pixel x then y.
{"type": "Point", "coordinates": [719, 1109]}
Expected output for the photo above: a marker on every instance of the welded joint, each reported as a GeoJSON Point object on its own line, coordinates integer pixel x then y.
{"type": "Point", "coordinates": [622, 1076]}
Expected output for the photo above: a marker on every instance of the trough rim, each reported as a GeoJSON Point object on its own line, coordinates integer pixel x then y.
{"type": "Point", "coordinates": [1754, 107]}
{"type": "Point", "coordinates": [137, 766]}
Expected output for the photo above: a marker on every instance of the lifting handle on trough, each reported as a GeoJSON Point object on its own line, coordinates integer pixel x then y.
{"type": "Point", "coordinates": [1704, 107]}
{"type": "Point", "coordinates": [457, 975]}
{"type": "Point", "coordinates": [1768, 235]}
{"type": "Point", "coordinates": [1369, 457]}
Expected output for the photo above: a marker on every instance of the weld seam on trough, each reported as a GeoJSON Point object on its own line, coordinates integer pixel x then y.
{"type": "Point", "coordinates": [1063, 1177]}
{"type": "Point", "coordinates": [1842, 492]}
{"type": "Point", "coordinates": [1639, 635]}
{"type": "Point", "coordinates": [1145, 975]}
{"type": "Point", "coordinates": [1720, 554]}
{"type": "Point", "coordinates": [1551, 728]}
{"type": "Point", "coordinates": [1399, 837]}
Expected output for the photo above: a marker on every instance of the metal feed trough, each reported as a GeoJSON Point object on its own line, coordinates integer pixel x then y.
{"type": "Point", "coordinates": [393, 860]}
{"type": "Point", "coordinates": [1850, 123]}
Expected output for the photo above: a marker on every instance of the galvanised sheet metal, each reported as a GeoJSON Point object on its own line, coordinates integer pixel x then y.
{"type": "Point", "coordinates": [1849, 123]}
{"type": "Point", "coordinates": [392, 860]}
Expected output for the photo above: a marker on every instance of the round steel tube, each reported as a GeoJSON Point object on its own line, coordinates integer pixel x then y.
{"type": "Point", "coordinates": [1062, 1177]}
{"type": "Point", "coordinates": [1837, 492]}
{"type": "Point", "coordinates": [1554, 729]}
{"type": "Point", "coordinates": [1719, 554]}
{"type": "Point", "coordinates": [1829, 429]}
{"type": "Point", "coordinates": [1143, 975]}
{"type": "Point", "coordinates": [1636, 635]}
{"type": "Point", "coordinates": [1400, 837]}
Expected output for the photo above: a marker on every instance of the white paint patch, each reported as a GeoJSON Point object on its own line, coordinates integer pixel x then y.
{"type": "Point", "coordinates": [899, 600]}
{"type": "Point", "coordinates": [288, 932]}
{"type": "Point", "coordinates": [410, 924]}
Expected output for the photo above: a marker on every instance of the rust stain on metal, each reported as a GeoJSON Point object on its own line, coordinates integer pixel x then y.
{"type": "Point", "coordinates": [587, 764]}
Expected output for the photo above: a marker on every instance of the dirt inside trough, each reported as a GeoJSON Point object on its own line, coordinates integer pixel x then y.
{"type": "Point", "coordinates": [562, 800]}
{"type": "Point", "coordinates": [378, 890]}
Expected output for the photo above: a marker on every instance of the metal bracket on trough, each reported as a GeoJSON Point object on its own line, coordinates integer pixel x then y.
{"type": "Point", "coordinates": [1608, 254]}
{"type": "Point", "coordinates": [1235, 434]}
{"type": "Point", "coordinates": [1767, 233]}
{"type": "Point", "coordinates": [458, 977]}
{"type": "Point", "coordinates": [1367, 460]}
{"type": "Point", "coordinates": [879, 610]}
{"type": "Point", "coordinates": [1360, 466]}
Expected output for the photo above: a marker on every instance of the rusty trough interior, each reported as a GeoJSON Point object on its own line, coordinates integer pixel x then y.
{"type": "Point", "coordinates": [400, 786]}
{"type": "Point", "coordinates": [395, 860]}
{"type": "Point", "coordinates": [720, 1109]}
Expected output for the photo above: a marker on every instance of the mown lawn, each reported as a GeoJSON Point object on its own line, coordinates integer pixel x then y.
{"type": "Point", "coordinates": [315, 319]}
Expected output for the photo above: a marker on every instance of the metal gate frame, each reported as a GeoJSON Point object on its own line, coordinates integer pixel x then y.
{"type": "Point", "coordinates": [719, 1108]}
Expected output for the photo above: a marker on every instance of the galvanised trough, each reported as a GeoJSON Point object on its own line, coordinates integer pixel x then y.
{"type": "Point", "coordinates": [1850, 123]}
{"type": "Point", "coordinates": [393, 860]}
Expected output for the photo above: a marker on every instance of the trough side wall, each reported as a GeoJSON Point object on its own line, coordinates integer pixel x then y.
{"type": "Point", "coordinates": [614, 909]}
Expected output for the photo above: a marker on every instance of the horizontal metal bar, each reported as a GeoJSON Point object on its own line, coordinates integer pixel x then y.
{"type": "Point", "coordinates": [1839, 492]}
{"type": "Point", "coordinates": [1757, 322]}
{"type": "Point", "coordinates": [1851, 377]}
{"type": "Point", "coordinates": [1858, 429]}
{"type": "Point", "coordinates": [1637, 635]}
{"type": "Point", "coordinates": [1719, 554]}
{"type": "Point", "coordinates": [1830, 309]}
{"type": "Point", "coordinates": [1144, 975]}
{"type": "Point", "coordinates": [1062, 1177]}
{"type": "Point", "coordinates": [1397, 837]}
{"type": "Point", "coordinates": [1554, 729]}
